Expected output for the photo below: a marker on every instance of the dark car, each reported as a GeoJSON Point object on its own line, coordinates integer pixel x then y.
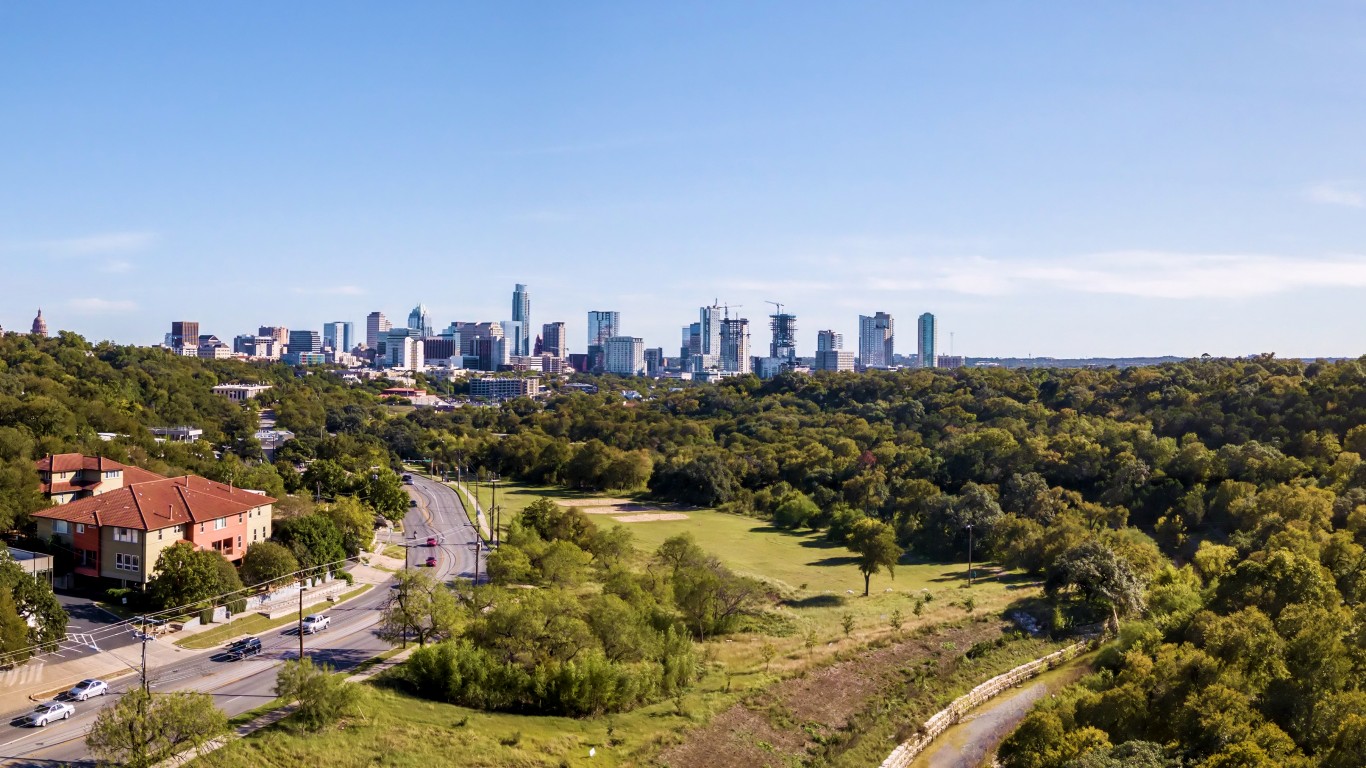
{"type": "Point", "coordinates": [431, 562]}
{"type": "Point", "coordinates": [241, 649]}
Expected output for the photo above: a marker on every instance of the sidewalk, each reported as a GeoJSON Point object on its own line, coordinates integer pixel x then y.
{"type": "Point", "coordinates": [473, 504]}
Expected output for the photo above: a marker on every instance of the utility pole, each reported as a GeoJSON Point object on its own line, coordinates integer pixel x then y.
{"type": "Point", "coordinates": [478, 544]}
{"type": "Point", "coordinates": [145, 688]}
{"type": "Point", "coordinates": [301, 620]}
{"type": "Point", "coordinates": [969, 554]}
{"type": "Point", "coordinates": [493, 512]}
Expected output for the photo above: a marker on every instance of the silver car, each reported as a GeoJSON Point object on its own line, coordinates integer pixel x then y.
{"type": "Point", "coordinates": [315, 623]}
{"type": "Point", "coordinates": [87, 688]}
{"type": "Point", "coordinates": [46, 713]}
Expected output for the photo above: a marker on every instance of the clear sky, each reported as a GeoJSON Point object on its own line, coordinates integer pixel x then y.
{"type": "Point", "coordinates": [1067, 179]}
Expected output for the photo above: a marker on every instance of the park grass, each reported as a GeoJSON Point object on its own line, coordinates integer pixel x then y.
{"type": "Point", "coordinates": [395, 551]}
{"type": "Point", "coordinates": [253, 624]}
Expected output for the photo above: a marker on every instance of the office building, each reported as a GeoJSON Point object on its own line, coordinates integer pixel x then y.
{"type": "Point", "coordinates": [441, 348]}
{"type": "Point", "coordinates": [624, 356]}
{"type": "Point", "coordinates": [337, 336]}
{"type": "Point", "coordinates": [602, 325]}
{"type": "Point", "coordinates": [521, 313]}
{"type": "Point", "coordinates": [927, 340]}
{"type": "Point", "coordinates": [419, 320]}
{"type": "Point", "coordinates": [784, 344]}
{"type": "Point", "coordinates": [875, 337]}
{"type": "Point", "coordinates": [504, 388]}
{"type": "Point", "coordinates": [553, 340]}
{"type": "Point", "coordinates": [951, 361]}
{"type": "Point", "coordinates": [277, 332]}
{"type": "Point", "coordinates": [305, 341]}
{"type": "Point", "coordinates": [734, 346]}
{"type": "Point", "coordinates": [830, 353]}
{"type": "Point", "coordinates": [654, 361]}
{"type": "Point", "coordinates": [211, 348]}
{"type": "Point", "coordinates": [514, 334]}
{"type": "Point", "coordinates": [403, 349]}
{"type": "Point", "coordinates": [184, 333]}
{"type": "Point", "coordinates": [303, 358]}
{"type": "Point", "coordinates": [376, 326]}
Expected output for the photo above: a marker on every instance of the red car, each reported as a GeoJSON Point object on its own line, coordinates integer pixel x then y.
{"type": "Point", "coordinates": [431, 562]}
{"type": "Point", "coordinates": [431, 541]}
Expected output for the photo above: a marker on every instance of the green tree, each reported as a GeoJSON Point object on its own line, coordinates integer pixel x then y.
{"type": "Point", "coordinates": [874, 544]}
{"type": "Point", "coordinates": [314, 539]}
{"type": "Point", "coordinates": [35, 604]}
{"type": "Point", "coordinates": [143, 729]}
{"type": "Point", "coordinates": [797, 509]}
{"type": "Point", "coordinates": [383, 490]}
{"type": "Point", "coordinates": [1100, 577]}
{"type": "Point", "coordinates": [14, 642]}
{"type": "Point", "coordinates": [419, 608]}
{"type": "Point", "coordinates": [191, 578]}
{"type": "Point", "coordinates": [267, 562]}
{"type": "Point", "coordinates": [356, 523]}
{"type": "Point", "coordinates": [323, 697]}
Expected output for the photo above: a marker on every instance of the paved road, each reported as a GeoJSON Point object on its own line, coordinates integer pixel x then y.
{"type": "Point", "coordinates": [238, 686]}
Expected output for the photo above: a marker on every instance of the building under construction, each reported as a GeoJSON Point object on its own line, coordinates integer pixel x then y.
{"type": "Point", "coordinates": [784, 327]}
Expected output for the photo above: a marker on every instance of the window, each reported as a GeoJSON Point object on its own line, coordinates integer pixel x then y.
{"type": "Point", "coordinates": [161, 534]}
{"type": "Point", "coordinates": [111, 473]}
{"type": "Point", "coordinates": [61, 526]}
{"type": "Point", "coordinates": [239, 542]}
{"type": "Point", "coordinates": [126, 535]}
{"type": "Point", "coordinates": [127, 562]}
{"type": "Point", "coordinates": [239, 517]}
{"type": "Point", "coordinates": [220, 523]}
{"type": "Point", "coordinates": [253, 534]}
{"type": "Point", "coordinates": [80, 527]}
{"type": "Point", "coordinates": [201, 527]}
{"type": "Point", "coordinates": [87, 558]}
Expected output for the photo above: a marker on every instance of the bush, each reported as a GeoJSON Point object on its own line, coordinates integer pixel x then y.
{"type": "Point", "coordinates": [206, 616]}
{"type": "Point", "coordinates": [237, 606]}
{"type": "Point", "coordinates": [347, 577]}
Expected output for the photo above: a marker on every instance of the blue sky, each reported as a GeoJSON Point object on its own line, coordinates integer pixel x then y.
{"type": "Point", "coordinates": [1059, 179]}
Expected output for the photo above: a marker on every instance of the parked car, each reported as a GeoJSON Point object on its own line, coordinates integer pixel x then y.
{"type": "Point", "coordinates": [249, 646]}
{"type": "Point", "coordinates": [46, 713]}
{"type": "Point", "coordinates": [87, 688]}
{"type": "Point", "coordinates": [431, 562]}
{"type": "Point", "coordinates": [316, 623]}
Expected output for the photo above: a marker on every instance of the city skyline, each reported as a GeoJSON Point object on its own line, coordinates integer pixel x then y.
{"type": "Point", "coordinates": [1069, 181]}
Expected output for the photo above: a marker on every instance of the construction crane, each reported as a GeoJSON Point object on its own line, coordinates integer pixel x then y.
{"type": "Point", "coordinates": [776, 304]}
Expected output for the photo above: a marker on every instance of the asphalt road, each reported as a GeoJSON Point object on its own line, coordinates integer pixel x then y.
{"type": "Point", "coordinates": [239, 686]}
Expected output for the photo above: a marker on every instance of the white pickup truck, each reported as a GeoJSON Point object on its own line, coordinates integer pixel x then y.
{"type": "Point", "coordinates": [315, 623]}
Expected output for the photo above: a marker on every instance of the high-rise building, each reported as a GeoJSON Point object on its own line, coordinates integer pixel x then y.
{"type": "Point", "coordinates": [927, 340]}
{"type": "Point", "coordinates": [710, 326]}
{"type": "Point", "coordinates": [554, 342]}
{"type": "Point", "coordinates": [420, 321]}
{"type": "Point", "coordinates": [404, 349]}
{"type": "Point", "coordinates": [734, 345]}
{"type": "Point", "coordinates": [521, 312]}
{"type": "Point", "coordinates": [305, 341]}
{"type": "Point", "coordinates": [654, 361]}
{"type": "Point", "coordinates": [277, 332]}
{"type": "Point", "coordinates": [515, 332]}
{"type": "Point", "coordinates": [184, 333]}
{"type": "Point", "coordinates": [830, 352]}
{"type": "Point", "coordinates": [602, 325]}
{"type": "Point", "coordinates": [337, 336]}
{"type": "Point", "coordinates": [875, 335]}
{"type": "Point", "coordinates": [784, 345]}
{"type": "Point", "coordinates": [376, 326]}
{"type": "Point", "coordinates": [624, 356]}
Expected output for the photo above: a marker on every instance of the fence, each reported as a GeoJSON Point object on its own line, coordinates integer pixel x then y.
{"type": "Point", "coordinates": [907, 751]}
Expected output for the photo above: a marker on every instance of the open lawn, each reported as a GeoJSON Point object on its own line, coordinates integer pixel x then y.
{"type": "Point", "coordinates": [253, 624]}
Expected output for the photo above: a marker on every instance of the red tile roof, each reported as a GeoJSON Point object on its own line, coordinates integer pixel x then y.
{"type": "Point", "coordinates": [156, 504]}
{"type": "Point", "coordinates": [75, 462]}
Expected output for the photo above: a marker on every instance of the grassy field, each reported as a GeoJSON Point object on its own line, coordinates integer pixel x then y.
{"type": "Point", "coordinates": [253, 624]}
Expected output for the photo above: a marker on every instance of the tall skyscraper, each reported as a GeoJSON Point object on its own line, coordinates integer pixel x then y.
{"type": "Point", "coordinates": [376, 326]}
{"type": "Point", "coordinates": [553, 339]}
{"type": "Point", "coordinates": [710, 319]}
{"type": "Point", "coordinates": [875, 336]}
{"type": "Point", "coordinates": [624, 356]}
{"type": "Point", "coordinates": [602, 325]}
{"type": "Point", "coordinates": [521, 312]}
{"type": "Point", "coordinates": [515, 331]}
{"type": "Point", "coordinates": [830, 352]}
{"type": "Point", "coordinates": [277, 332]}
{"type": "Point", "coordinates": [734, 345]}
{"type": "Point", "coordinates": [337, 336]}
{"type": "Point", "coordinates": [184, 333]}
{"type": "Point", "coordinates": [420, 321]}
{"type": "Point", "coordinates": [784, 345]}
{"type": "Point", "coordinates": [927, 340]}
{"type": "Point", "coordinates": [305, 341]}
{"type": "Point", "coordinates": [829, 340]}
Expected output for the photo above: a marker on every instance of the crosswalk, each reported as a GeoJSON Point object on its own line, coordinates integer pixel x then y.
{"type": "Point", "coordinates": [26, 674]}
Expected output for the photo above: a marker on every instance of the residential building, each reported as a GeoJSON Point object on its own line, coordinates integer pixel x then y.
{"type": "Point", "coordinates": [337, 336]}
{"type": "Point", "coordinates": [784, 344]}
{"type": "Point", "coordinates": [403, 349]}
{"type": "Point", "coordinates": [734, 346]}
{"type": "Point", "coordinates": [239, 393]}
{"type": "Point", "coordinates": [419, 320]}
{"type": "Point", "coordinates": [875, 340]}
{"type": "Point", "coordinates": [277, 332]}
{"type": "Point", "coordinates": [709, 327]}
{"type": "Point", "coordinates": [184, 333]}
{"type": "Point", "coordinates": [828, 340]}
{"type": "Point", "coordinates": [271, 440]}
{"type": "Point", "coordinates": [654, 361]}
{"type": "Point", "coordinates": [258, 346]}
{"type": "Point", "coordinates": [67, 477]}
{"type": "Point", "coordinates": [180, 434]}
{"type": "Point", "coordinates": [951, 361]}
{"type": "Point", "coordinates": [927, 340]}
{"type": "Point", "coordinates": [830, 353]}
{"type": "Point", "coordinates": [514, 331]}
{"type": "Point", "coordinates": [624, 355]}
{"type": "Point", "coordinates": [492, 388]}
{"type": "Point", "coordinates": [521, 313]}
{"type": "Point", "coordinates": [602, 325]}
{"type": "Point", "coordinates": [376, 327]}
{"type": "Point", "coordinates": [120, 533]}
{"type": "Point", "coordinates": [305, 341]}
{"type": "Point", "coordinates": [554, 342]}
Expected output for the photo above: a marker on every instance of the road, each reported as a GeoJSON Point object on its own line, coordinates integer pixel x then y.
{"type": "Point", "coordinates": [239, 686]}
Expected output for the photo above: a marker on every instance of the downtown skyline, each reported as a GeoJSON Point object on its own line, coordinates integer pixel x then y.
{"type": "Point", "coordinates": [1069, 182]}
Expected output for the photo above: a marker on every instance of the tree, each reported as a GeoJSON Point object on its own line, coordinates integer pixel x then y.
{"type": "Point", "coordinates": [797, 509]}
{"type": "Point", "coordinates": [874, 543]}
{"type": "Point", "coordinates": [419, 608]}
{"type": "Point", "coordinates": [323, 696]}
{"type": "Point", "coordinates": [266, 562]}
{"type": "Point", "coordinates": [189, 577]}
{"type": "Point", "coordinates": [14, 643]}
{"type": "Point", "coordinates": [356, 523]}
{"type": "Point", "coordinates": [1100, 577]}
{"type": "Point", "coordinates": [43, 616]}
{"type": "Point", "coordinates": [143, 729]}
{"type": "Point", "coordinates": [326, 478]}
{"type": "Point", "coordinates": [314, 539]}
{"type": "Point", "coordinates": [383, 490]}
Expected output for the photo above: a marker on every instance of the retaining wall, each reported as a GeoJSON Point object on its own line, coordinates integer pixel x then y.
{"type": "Point", "coordinates": [902, 756]}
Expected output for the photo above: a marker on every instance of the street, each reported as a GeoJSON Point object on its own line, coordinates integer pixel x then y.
{"type": "Point", "coordinates": [239, 686]}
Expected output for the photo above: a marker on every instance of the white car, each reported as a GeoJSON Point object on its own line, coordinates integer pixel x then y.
{"type": "Point", "coordinates": [87, 688]}
{"type": "Point", "coordinates": [46, 713]}
{"type": "Point", "coordinates": [316, 623]}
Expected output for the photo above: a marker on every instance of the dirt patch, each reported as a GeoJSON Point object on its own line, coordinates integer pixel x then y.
{"type": "Point", "coordinates": [780, 726]}
{"type": "Point", "coordinates": [593, 502]}
{"type": "Point", "coordinates": [650, 517]}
